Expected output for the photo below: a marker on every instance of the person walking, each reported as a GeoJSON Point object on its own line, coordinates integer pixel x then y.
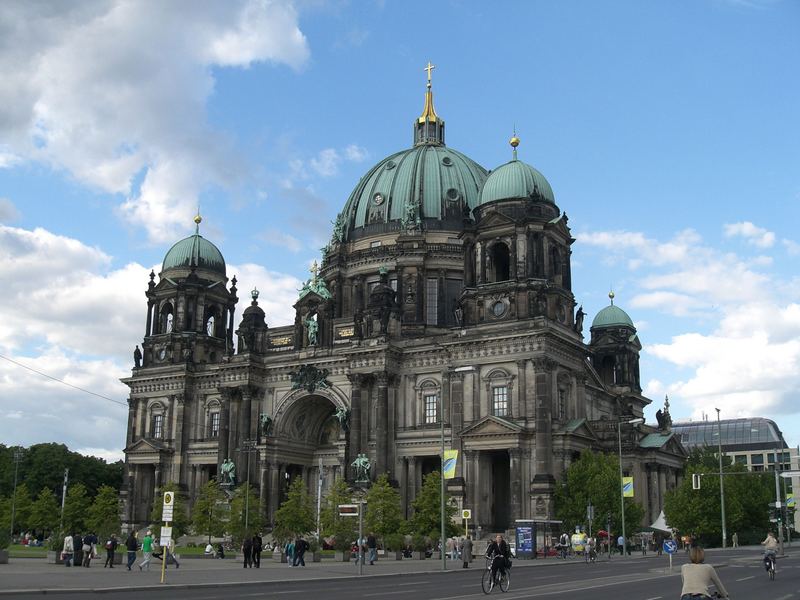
{"type": "Point", "coordinates": [89, 542]}
{"type": "Point", "coordinates": [621, 544]}
{"type": "Point", "coordinates": [466, 551]}
{"type": "Point", "coordinates": [735, 540]}
{"type": "Point", "coordinates": [289, 550]}
{"type": "Point", "coordinates": [247, 552]}
{"type": "Point", "coordinates": [372, 548]}
{"type": "Point", "coordinates": [68, 550]}
{"type": "Point", "coordinates": [111, 548]}
{"type": "Point", "coordinates": [258, 546]}
{"type": "Point", "coordinates": [132, 544]}
{"type": "Point", "coordinates": [300, 547]}
{"type": "Point", "coordinates": [147, 550]}
{"type": "Point", "coordinates": [77, 544]}
{"type": "Point", "coordinates": [169, 553]}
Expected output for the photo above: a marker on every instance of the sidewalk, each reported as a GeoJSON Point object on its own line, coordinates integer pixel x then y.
{"type": "Point", "coordinates": [34, 576]}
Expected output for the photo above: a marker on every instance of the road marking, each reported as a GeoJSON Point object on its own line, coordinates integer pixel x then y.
{"type": "Point", "coordinates": [388, 593]}
{"type": "Point", "coordinates": [655, 598]}
{"type": "Point", "coordinates": [746, 578]}
{"type": "Point", "coordinates": [410, 583]}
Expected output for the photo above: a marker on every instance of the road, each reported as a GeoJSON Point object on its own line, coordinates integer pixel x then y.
{"type": "Point", "coordinates": [647, 579]}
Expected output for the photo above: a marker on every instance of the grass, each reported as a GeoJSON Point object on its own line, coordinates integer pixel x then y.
{"type": "Point", "coordinates": [20, 551]}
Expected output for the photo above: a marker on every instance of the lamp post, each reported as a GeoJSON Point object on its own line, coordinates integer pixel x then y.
{"type": "Point", "coordinates": [638, 421]}
{"type": "Point", "coordinates": [18, 454]}
{"type": "Point", "coordinates": [721, 484]}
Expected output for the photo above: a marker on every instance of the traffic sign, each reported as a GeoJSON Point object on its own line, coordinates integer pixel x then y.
{"type": "Point", "coordinates": [348, 510]}
{"type": "Point", "coordinates": [168, 507]}
{"type": "Point", "coordinates": [670, 546]}
{"type": "Point", "coordinates": [466, 514]}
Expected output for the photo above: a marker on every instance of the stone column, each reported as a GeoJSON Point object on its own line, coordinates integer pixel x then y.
{"type": "Point", "coordinates": [180, 438]}
{"type": "Point", "coordinates": [263, 486]}
{"type": "Point", "coordinates": [457, 417]}
{"type": "Point", "coordinates": [354, 445]}
{"type": "Point", "coordinates": [226, 396]}
{"type": "Point", "coordinates": [402, 463]}
{"type": "Point", "coordinates": [382, 425]}
{"type": "Point", "coordinates": [471, 479]}
{"type": "Point", "coordinates": [412, 483]}
{"type": "Point", "coordinates": [520, 407]}
{"type": "Point", "coordinates": [476, 395]}
{"type": "Point", "coordinates": [543, 480]}
{"type": "Point", "coordinates": [652, 491]}
{"type": "Point", "coordinates": [515, 475]}
{"type": "Point", "coordinates": [131, 421]}
{"type": "Point", "coordinates": [274, 491]}
{"type": "Point", "coordinates": [149, 324]}
{"type": "Point", "coordinates": [662, 488]}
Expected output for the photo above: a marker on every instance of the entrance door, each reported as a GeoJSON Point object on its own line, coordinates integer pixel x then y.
{"type": "Point", "coordinates": [500, 504]}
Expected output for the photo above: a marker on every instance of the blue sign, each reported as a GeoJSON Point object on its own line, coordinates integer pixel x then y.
{"type": "Point", "coordinates": [670, 546]}
{"type": "Point", "coordinates": [525, 539]}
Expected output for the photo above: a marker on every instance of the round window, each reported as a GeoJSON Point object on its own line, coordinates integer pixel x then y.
{"type": "Point", "coordinates": [390, 165]}
{"type": "Point", "coordinates": [378, 199]}
{"type": "Point", "coordinates": [453, 195]}
{"type": "Point", "coordinates": [498, 308]}
{"type": "Point", "coordinates": [447, 161]}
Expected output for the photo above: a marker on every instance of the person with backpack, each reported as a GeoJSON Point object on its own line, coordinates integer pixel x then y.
{"type": "Point", "coordinates": [111, 548]}
{"type": "Point", "coordinates": [132, 544]}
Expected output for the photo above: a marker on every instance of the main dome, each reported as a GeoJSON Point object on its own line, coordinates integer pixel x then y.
{"type": "Point", "coordinates": [442, 183]}
{"type": "Point", "coordinates": [194, 251]}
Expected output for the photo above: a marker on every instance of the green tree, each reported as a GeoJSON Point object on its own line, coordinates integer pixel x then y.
{"type": "Point", "coordinates": [427, 508]}
{"type": "Point", "coordinates": [210, 512]}
{"type": "Point", "coordinates": [343, 529]}
{"type": "Point", "coordinates": [245, 506]}
{"type": "Point", "coordinates": [384, 513]}
{"type": "Point", "coordinates": [76, 508]}
{"type": "Point", "coordinates": [296, 515]}
{"type": "Point", "coordinates": [698, 512]}
{"type": "Point", "coordinates": [45, 512]}
{"type": "Point", "coordinates": [595, 477]}
{"type": "Point", "coordinates": [103, 518]}
{"type": "Point", "coordinates": [21, 508]}
{"type": "Point", "coordinates": [180, 520]}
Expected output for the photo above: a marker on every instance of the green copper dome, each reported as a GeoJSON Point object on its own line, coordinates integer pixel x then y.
{"type": "Point", "coordinates": [195, 251]}
{"type": "Point", "coordinates": [429, 183]}
{"type": "Point", "coordinates": [515, 180]}
{"type": "Point", "coordinates": [612, 316]}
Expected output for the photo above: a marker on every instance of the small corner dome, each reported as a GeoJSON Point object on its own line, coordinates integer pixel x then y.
{"type": "Point", "coordinates": [515, 180]}
{"type": "Point", "coordinates": [194, 251]}
{"type": "Point", "coordinates": [612, 316]}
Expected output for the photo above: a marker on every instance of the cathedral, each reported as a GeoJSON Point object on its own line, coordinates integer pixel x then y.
{"type": "Point", "coordinates": [442, 309]}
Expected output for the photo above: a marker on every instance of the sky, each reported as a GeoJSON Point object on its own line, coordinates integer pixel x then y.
{"type": "Point", "coordinates": [668, 130]}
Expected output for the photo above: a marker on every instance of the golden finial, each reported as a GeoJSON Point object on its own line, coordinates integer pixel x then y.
{"type": "Point", "coordinates": [197, 220]}
{"type": "Point", "coordinates": [514, 141]}
{"type": "Point", "coordinates": [429, 68]}
{"type": "Point", "coordinates": [314, 269]}
{"type": "Point", "coordinates": [611, 296]}
{"type": "Point", "coordinates": [428, 112]}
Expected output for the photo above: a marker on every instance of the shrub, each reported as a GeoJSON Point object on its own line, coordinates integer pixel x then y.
{"type": "Point", "coordinates": [419, 543]}
{"type": "Point", "coordinates": [394, 541]}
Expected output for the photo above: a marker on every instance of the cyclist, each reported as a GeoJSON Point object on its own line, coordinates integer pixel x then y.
{"type": "Point", "coordinates": [591, 552]}
{"type": "Point", "coordinates": [697, 576]}
{"type": "Point", "coordinates": [563, 544]}
{"type": "Point", "coordinates": [770, 549]}
{"type": "Point", "coordinates": [498, 552]}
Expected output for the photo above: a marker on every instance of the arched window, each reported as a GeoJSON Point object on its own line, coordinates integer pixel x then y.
{"type": "Point", "coordinates": [157, 424]}
{"type": "Point", "coordinates": [428, 397]}
{"type": "Point", "coordinates": [555, 261]}
{"type": "Point", "coordinates": [210, 321]}
{"type": "Point", "coordinates": [500, 258]}
{"type": "Point", "coordinates": [499, 387]}
{"type": "Point", "coordinates": [166, 320]}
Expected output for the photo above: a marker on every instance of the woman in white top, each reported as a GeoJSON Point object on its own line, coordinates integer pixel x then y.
{"type": "Point", "coordinates": [697, 577]}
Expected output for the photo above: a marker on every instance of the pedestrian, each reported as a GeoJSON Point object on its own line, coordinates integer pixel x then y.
{"type": "Point", "coordinates": [88, 549]}
{"type": "Point", "coordinates": [169, 551]}
{"type": "Point", "coordinates": [372, 548]}
{"type": "Point", "coordinates": [77, 544]}
{"type": "Point", "coordinates": [247, 552]}
{"type": "Point", "coordinates": [132, 544]}
{"type": "Point", "coordinates": [450, 547]}
{"type": "Point", "coordinates": [735, 540]}
{"type": "Point", "coordinates": [466, 551]}
{"type": "Point", "coordinates": [220, 550]}
{"type": "Point", "coordinates": [289, 551]}
{"type": "Point", "coordinates": [454, 552]}
{"type": "Point", "coordinates": [258, 546]}
{"type": "Point", "coordinates": [621, 544]}
{"type": "Point", "coordinates": [111, 548]}
{"type": "Point", "coordinates": [68, 550]}
{"type": "Point", "coordinates": [300, 547]}
{"type": "Point", "coordinates": [147, 550]}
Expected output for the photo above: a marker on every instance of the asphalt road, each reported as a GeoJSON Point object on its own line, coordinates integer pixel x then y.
{"type": "Point", "coordinates": [741, 572]}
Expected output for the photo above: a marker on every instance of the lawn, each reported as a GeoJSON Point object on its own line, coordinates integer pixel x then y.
{"type": "Point", "coordinates": [20, 551]}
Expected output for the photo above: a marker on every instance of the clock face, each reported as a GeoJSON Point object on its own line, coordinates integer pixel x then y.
{"type": "Point", "coordinates": [162, 353]}
{"type": "Point", "coordinates": [378, 199]}
{"type": "Point", "coordinates": [498, 308]}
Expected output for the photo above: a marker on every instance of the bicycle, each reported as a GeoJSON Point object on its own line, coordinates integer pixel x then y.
{"type": "Point", "coordinates": [502, 578]}
{"type": "Point", "coordinates": [590, 555]}
{"type": "Point", "coordinates": [769, 563]}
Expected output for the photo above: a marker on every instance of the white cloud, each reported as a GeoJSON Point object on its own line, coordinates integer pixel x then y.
{"type": "Point", "coordinates": [792, 247]}
{"type": "Point", "coordinates": [355, 153]}
{"type": "Point", "coordinates": [756, 236]}
{"type": "Point", "coordinates": [283, 240]}
{"type": "Point", "coordinates": [8, 212]}
{"type": "Point", "coordinates": [114, 92]}
{"type": "Point", "coordinates": [326, 163]}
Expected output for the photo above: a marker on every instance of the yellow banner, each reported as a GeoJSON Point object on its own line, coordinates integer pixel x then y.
{"type": "Point", "coordinates": [627, 487]}
{"type": "Point", "coordinates": [450, 460]}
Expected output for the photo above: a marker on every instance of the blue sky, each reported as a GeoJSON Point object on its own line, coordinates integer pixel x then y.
{"type": "Point", "coordinates": [668, 131]}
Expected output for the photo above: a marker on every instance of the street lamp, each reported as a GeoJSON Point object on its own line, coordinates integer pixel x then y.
{"type": "Point", "coordinates": [18, 454]}
{"type": "Point", "coordinates": [638, 421]}
{"type": "Point", "coordinates": [721, 484]}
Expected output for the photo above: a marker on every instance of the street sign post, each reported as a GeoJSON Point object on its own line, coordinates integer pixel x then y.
{"type": "Point", "coordinates": [466, 514]}
{"type": "Point", "coordinates": [167, 511]}
{"type": "Point", "coordinates": [670, 547]}
{"type": "Point", "coordinates": [356, 510]}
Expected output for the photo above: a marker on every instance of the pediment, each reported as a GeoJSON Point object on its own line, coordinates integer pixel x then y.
{"type": "Point", "coordinates": [145, 446]}
{"type": "Point", "coordinates": [495, 219]}
{"type": "Point", "coordinates": [493, 426]}
{"type": "Point", "coordinates": [579, 428]}
{"type": "Point", "coordinates": [310, 298]}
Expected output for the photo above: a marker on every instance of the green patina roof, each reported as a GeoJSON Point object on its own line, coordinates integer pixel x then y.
{"type": "Point", "coordinates": [431, 176]}
{"type": "Point", "coordinates": [516, 179]}
{"type": "Point", "coordinates": [612, 316]}
{"type": "Point", "coordinates": [655, 440]}
{"type": "Point", "coordinates": [573, 424]}
{"type": "Point", "coordinates": [195, 251]}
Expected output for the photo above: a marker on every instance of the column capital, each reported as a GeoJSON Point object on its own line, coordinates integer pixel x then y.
{"type": "Point", "coordinates": [381, 378]}
{"type": "Point", "coordinates": [356, 379]}
{"type": "Point", "coordinates": [515, 453]}
{"type": "Point", "coordinates": [544, 364]}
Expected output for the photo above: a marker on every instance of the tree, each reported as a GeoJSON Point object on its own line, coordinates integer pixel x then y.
{"type": "Point", "coordinates": [343, 529]}
{"type": "Point", "coordinates": [76, 508]}
{"type": "Point", "coordinates": [180, 520]}
{"type": "Point", "coordinates": [595, 477]}
{"type": "Point", "coordinates": [45, 512]}
{"type": "Point", "coordinates": [103, 517]}
{"type": "Point", "coordinates": [697, 512]}
{"type": "Point", "coordinates": [20, 507]}
{"type": "Point", "coordinates": [427, 508]}
{"type": "Point", "coordinates": [296, 515]}
{"type": "Point", "coordinates": [245, 509]}
{"type": "Point", "coordinates": [384, 513]}
{"type": "Point", "coordinates": [210, 511]}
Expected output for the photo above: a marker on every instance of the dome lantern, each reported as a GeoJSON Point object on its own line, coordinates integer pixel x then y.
{"type": "Point", "coordinates": [429, 127]}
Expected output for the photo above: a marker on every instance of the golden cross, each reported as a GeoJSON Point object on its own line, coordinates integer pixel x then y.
{"type": "Point", "coordinates": [314, 269]}
{"type": "Point", "coordinates": [429, 68]}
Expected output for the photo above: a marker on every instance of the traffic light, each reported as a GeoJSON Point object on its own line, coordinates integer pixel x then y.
{"type": "Point", "coordinates": [695, 481]}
